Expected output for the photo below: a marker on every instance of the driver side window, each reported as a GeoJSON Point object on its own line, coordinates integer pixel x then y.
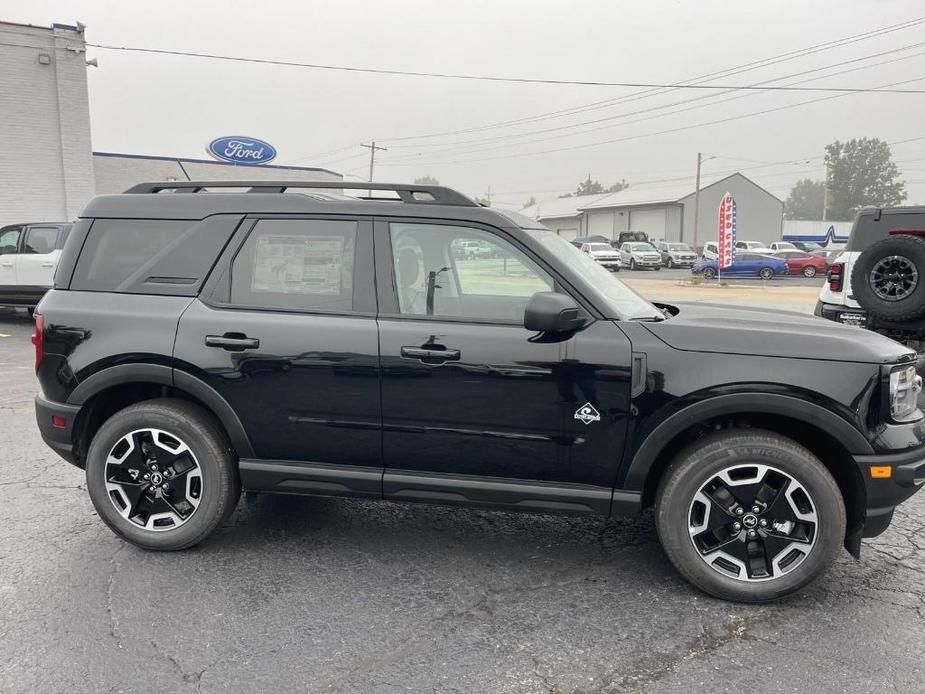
{"type": "Point", "coordinates": [461, 272]}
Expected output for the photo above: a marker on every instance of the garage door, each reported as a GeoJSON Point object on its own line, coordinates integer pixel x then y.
{"type": "Point", "coordinates": [650, 221]}
{"type": "Point", "coordinates": [600, 223]}
{"type": "Point", "coordinates": [568, 234]}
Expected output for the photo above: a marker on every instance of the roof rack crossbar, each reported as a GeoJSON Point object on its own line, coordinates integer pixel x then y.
{"type": "Point", "coordinates": [408, 193]}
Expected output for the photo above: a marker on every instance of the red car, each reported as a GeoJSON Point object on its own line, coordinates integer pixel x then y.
{"type": "Point", "coordinates": [800, 263]}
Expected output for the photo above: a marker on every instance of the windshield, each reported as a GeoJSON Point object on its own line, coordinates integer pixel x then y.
{"type": "Point", "coordinates": [678, 247]}
{"type": "Point", "coordinates": [785, 244]}
{"type": "Point", "coordinates": [600, 247]}
{"type": "Point", "coordinates": [641, 247]}
{"type": "Point", "coordinates": [607, 289]}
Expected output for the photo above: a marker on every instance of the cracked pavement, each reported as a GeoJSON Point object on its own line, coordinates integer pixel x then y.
{"type": "Point", "coordinates": [331, 595]}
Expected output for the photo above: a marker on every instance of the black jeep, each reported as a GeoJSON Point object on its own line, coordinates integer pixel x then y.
{"type": "Point", "coordinates": [316, 343]}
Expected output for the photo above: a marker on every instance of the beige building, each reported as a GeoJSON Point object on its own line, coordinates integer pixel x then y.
{"type": "Point", "coordinates": [115, 173]}
{"type": "Point", "coordinates": [665, 212]}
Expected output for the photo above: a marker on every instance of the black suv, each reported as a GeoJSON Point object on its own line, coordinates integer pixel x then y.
{"type": "Point", "coordinates": [198, 342]}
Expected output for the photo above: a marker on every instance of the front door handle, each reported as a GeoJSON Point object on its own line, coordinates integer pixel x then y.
{"type": "Point", "coordinates": [233, 342]}
{"type": "Point", "coordinates": [10, 264]}
{"type": "Point", "coordinates": [48, 264]}
{"type": "Point", "coordinates": [439, 354]}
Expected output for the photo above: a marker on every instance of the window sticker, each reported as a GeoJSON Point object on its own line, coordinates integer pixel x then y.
{"type": "Point", "coordinates": [298, 264]}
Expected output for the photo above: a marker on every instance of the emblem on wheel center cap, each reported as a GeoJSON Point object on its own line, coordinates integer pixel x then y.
{"type": "Point", "coordinates": [156, 479]}
{"type": "Point", "coordinates": [750, 520]}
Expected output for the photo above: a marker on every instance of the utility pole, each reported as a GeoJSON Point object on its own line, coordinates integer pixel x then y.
{"type": "Point", "coordinates": [825, 192]}
{"type": "Point", "coordinates": [372, 147]}
{"type": "Point", "coordinates": [697, 200]}
{"type": "Point", "coordinates": [700, 160]}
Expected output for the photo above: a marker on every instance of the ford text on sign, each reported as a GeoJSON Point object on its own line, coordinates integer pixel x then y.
{"type": "Point", "coordinates": [242, 150]}
{"type": "Point", "coordinates": [727, 230]}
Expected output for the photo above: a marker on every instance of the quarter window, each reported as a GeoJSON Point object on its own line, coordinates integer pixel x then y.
{"type": "Point", "coordinates": [9, 240]}
{"type": "Point", "coordinates": [304, 264]}
{"type": "Point", "coordinates": [462, 272]}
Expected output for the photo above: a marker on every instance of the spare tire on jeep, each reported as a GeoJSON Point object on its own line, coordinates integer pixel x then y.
{"type": "Point", "coordinates": [889, 278]}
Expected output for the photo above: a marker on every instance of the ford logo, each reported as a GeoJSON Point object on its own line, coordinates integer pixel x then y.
{"type": "Point", "coordinates": [242, 150]}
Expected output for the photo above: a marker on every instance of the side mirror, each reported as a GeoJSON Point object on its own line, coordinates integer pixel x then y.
{"type": "Point", "coordinates": [552, 312]}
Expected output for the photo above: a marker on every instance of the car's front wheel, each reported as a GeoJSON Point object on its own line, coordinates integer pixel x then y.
{"type": "Point", "coordinates": [766, 273]}
{"type": "Point", "coordinates": [749, 515]}
{"type": "Point", "coordinates": [809, 271]}
{"type": "Point", "coordinates": [632, 263]}
{"type": "Point", "coordinates": [670, 263]}
{"type": "Point", "coordinates": [709, 273]}
{"type": "Point", "coordinates": [161, 474]}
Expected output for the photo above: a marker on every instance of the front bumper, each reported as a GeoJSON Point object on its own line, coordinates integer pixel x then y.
{"type": "Point", "coordinates": [58, 438]}
{"type": "Point", "coordinates": [884, 494]}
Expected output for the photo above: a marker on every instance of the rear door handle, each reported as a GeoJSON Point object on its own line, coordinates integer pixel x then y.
{"type": "Point", "coordinates": [48, 264]}
{"type": "Point", "coordinates": [233, 342]}
{"type": "Point", "coordinates": [432, 355]}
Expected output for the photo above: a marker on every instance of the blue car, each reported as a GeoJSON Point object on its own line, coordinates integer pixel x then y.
{"type": "Point", "coordinates": [744, 265]}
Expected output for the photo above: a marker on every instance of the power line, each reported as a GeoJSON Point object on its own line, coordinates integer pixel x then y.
{"type": "Point", "coordinates": [462, 149]}
{"type": "Point", "coordinates": [490, 78]}
{"type": "Point", "coordinates": [739, 69]}
{"type": "Point", "coordinates": [643, 135]}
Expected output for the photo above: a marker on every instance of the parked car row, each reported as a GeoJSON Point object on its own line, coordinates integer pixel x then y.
{"type": "Point", "coordinates": [28, 258]}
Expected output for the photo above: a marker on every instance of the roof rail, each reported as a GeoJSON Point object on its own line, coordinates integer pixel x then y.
{"type": "Point", "coordinates": [408, 193]}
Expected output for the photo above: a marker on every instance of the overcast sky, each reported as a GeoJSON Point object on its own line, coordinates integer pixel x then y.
{"type": "Point", "coordinates": [173, 106]}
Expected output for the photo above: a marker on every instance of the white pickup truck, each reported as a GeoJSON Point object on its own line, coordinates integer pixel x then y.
{"type": "Point", "coordinates": [28, 257]}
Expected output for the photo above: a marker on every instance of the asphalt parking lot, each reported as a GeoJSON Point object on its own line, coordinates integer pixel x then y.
{"type": "Point", "coordinates": [330, 595]}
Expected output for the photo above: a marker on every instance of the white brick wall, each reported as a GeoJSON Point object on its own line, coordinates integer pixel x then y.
{"type": "Point", "coordinates": [46, 170]}
{"type": "Point", "coordinates": [115, 173]}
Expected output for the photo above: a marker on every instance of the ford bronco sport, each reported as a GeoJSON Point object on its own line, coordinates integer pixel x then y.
{"type": "Point", "coordinates": [200, 342]}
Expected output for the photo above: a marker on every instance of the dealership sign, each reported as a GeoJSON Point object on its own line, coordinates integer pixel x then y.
{"type": "Point", "coordinates": [242, 150]}
{"type": "Point", "coordinates": [727, 231]}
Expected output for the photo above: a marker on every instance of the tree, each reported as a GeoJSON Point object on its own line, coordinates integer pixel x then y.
{"type": "Point", "coordinates": [618, 186]}
{"type": "Point", "coordinates": [531, 201]}
{"type": "Point", "coordinates": [589, 187]}
{"type": "Point", "coordinates": [426, 181]}
{"type": "Point", "coordinates": [861, 172]}
{"type": "Point", "coordinates": [805, 200]}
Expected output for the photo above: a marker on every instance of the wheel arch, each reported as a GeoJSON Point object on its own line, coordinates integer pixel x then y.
{"type": "Point", "coordinates": [826, 435]}
{"type": "Point", "coordinates": [112, 389]}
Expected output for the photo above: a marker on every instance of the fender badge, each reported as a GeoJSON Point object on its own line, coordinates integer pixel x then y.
{"type": "Point", "coordinates": [587, 414]}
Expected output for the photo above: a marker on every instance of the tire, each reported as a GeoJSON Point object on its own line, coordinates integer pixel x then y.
{"type": "Point", "coordinates": [632, 263]}
{"type": "Point", "coordinates": [679, 505]}
{"type": "Point", "coordinates": [809, 271]}
{"type": "Point", "coordinates": [212, 498]}
{"type": "Point", "coordinates": [903, 302]}
{"type": "Point", "coordinates": [766, 273]}
{"type": "Point", "coordinates": [657, 268]}
{"type": "Point", "coordinates": [670, 263]}
{"type": "Point", "coordinates": [709, 273]}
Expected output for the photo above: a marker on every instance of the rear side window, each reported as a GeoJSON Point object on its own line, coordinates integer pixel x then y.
{"type": "Point", "coordinates": [151, 256]}
{"type": "Point", "coordinates": [40, 240]}
{"type": "Point", "coordinates": [302, 264]}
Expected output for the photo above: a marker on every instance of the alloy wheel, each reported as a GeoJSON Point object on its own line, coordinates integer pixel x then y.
{"type": "Point", "coordinates": [709, 273]}
{"type": "Point", "coordinates": [753, 522]}
{"type": "Point", "coordinates": [809, 271]}
{"type": "Point", "coordinates": [153, 479]}
{"type": "Point", "coordinates": [766, 273]}
{"type": "Point", "coordinates": [894, 278]}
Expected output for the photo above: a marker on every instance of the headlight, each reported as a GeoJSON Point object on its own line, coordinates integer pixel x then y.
{"type": "Point", "coordinates": [905, 386]}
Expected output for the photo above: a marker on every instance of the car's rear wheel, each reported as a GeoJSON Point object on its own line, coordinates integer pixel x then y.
{"type": "Point", "coordinates": [709, 273]}
{"type": "Point", "coordinates": [161, 474]}
{"type": "Point", "coordinates": [766, 273]}
{"type": "Point", "coordinates": [809, 271]}
{"type": "Point", "coordinates": [749, 515]}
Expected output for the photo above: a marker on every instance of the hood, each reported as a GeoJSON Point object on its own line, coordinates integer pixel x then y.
{"type": "Point", "coordinates": [767, 333]}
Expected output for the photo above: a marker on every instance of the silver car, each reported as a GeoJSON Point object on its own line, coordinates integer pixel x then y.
{"type": "Point", "coordinates": [676, 254]}
{"type": "Point", "coordinates": [636, 254]}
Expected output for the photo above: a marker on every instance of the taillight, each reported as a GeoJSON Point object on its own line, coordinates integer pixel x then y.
{"type": "Point", "coordinates": [836, 272]}
{"type": "Point", "coordinates": [38, 339]}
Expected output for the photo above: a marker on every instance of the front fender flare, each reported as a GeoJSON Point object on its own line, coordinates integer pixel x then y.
{"type": "Point", "coordinates": [740, 403]}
